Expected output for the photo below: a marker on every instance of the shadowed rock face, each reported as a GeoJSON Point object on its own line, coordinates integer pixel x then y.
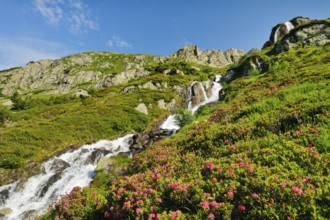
{"type": "Point", "coordinates": [314, 34]}
{"type": "Point", "coordinates": [215, 58]}
{"type": "Point", "coordinates": [280, 30]}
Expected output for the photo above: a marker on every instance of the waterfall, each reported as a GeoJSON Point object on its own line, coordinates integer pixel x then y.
{"type": "Point", "coordinates": [289, 26]}
{"type": "Point", "coordinates": [214, 97]}
{"type": "Point", "coordinates": [76, 168]}
{"type": "Point", "coordinates": [275, 35]}
{"type": "Point", "coordinates": [171, 124]}
{"type": "Point", "coordinates": [62, 173]}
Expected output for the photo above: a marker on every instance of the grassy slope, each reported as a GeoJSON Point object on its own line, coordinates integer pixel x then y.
{"type": "Point", "coordinates": [263, 153]}
{"type": "Point", "coordinates": [53, 123]}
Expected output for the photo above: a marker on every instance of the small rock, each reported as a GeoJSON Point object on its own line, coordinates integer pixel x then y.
{"type": "Point", "coordinates": [5, 211]}
{"type": "Point", "coordinates": [142, 108]}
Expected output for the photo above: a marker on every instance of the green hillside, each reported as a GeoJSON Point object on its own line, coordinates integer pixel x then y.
{"type": "Point", "coordinates": [260, 153]}
{"type": "Point", "coordinates": [39, 125]}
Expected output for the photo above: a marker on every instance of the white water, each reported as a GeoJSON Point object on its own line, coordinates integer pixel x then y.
{"type": "Point", "coordinates": [78, 169]}
{"type": "Point", "coordinates": [214, 97]}
{"type": "Point", "coordinates": [80, 172]}
{"type": "Point", "coordinates": [289, 27]}
{"type": "Point", "coordinates": [171, 124]}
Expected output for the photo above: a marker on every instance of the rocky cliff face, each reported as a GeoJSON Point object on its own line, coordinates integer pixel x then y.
{"type": "Point", "coordinates": [214, 58]}
{"type": "Point", "coordinates": [280, 30]}
{"type": "Point", "coordinates": [313, 34]}
{"type": "Point", "coordinates": [77, 74]}
{"type": "Point", "coordinates": [285, 36]}
{"type": "Point", "coordinates": [74, 73]}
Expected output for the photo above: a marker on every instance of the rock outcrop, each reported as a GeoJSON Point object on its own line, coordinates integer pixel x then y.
{"type": "Point", "coordinates": [214, 58]}
{"type": "Point", "coordinates": [312, 34]}
{"type": "Point", "coordinates": [280, 30]}
{"type": "Point", "coordinates": [74, 74]}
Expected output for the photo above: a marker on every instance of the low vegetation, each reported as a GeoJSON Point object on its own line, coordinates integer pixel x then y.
{"type": "Point", "coordinates": [38, 126]}
{"type": "Point", "coordinates": [261, 153]}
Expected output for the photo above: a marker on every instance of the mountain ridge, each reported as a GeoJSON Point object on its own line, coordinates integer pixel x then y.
{"type": "Point", "coordinates": [262, 152]}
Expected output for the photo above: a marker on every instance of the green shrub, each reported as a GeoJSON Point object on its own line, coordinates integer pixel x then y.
{"type": "Point", "coordinates": [184, 117]}
{"type": "Point", "coordinates": [4, 115]}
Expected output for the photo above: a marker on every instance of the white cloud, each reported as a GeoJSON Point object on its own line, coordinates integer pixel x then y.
{"type": "Point", "coordinates": [73, 13]}
{"type": "Point", "coordinates": [50, 10]}
{"type": "Point", "coordinates": [117, 42]}
{"type": "Point", "coordinates": [19, 52]}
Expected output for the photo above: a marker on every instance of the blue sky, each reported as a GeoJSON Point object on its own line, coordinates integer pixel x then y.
{"type": "Point", "coordinates": [39, 29]}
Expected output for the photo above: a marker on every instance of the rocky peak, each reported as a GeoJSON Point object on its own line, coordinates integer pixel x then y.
{"type": "Point", "coordinates": [214, 58]}
{"type": "Point", "coordinates": [281, 29]}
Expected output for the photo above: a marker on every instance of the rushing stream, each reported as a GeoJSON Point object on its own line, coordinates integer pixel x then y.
{"type": "Point", "coordinates": [74, 168]}
{"type": "Point", "coordinates": [61, 174]}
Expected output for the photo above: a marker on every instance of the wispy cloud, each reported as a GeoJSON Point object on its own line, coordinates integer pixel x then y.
{"type": "Point", "coordinates": [18, 52]}
{"type": "Point", "coordinates": [75, 14]}
{"type": "Point", "coordinates": [117, 42]}
{"type": "Point", "coordinates": [185, 42]}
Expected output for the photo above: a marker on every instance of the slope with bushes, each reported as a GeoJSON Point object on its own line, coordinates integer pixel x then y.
{"type": "Point", "coordinates": [39, 125]}
{"type": "Point", "coordinates": [260, 153]}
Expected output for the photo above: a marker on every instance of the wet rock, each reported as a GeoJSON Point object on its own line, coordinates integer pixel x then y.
{"type": "Point", "coordinates": [197, 94]}
{"type": "Point", "coordinates": [27, 214]}
{"type": "Point", "coordinates": [96, 155]}
{"type": "Point", "coordinates": [5, 211]}
{"type": "Point", "coordinates": [4, 194]}
{"type": "Point", "coordinates": [104, 165]}
{"type": "Point", "coordinates": [20, 185]}
{"type": "Point", "coordinates": [59, 165]}
{"type": "Point", "coordinates": [49, 183]}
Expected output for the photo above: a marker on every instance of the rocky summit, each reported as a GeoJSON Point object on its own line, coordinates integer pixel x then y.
{"type": "Point", "coordinates": [195, 135]}
{"type": "Point", "coordinates": [214, 58]}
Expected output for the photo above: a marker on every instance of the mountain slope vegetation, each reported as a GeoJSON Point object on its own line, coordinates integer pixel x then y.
{"type": "Point", "coordinates": [40, 125]}
{"type": "Point", "coordinates": [260, 153]}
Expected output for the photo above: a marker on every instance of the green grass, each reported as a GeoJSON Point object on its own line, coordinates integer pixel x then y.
{"type": "Point", "coordinates": [45, 125]}
{"type": "Point", "coordinates": [261, 153]}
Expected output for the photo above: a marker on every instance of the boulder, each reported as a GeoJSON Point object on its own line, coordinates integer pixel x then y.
{"type": "Point", "coordinates": [5, 211]}
{"type": "Point", "coordinates": [104, 165]}
{"type": "Point", "coordinates": [58, 165]}
{"type": "Point", "coordinates": [28, 214]}
{"type": "Point", "coordinates": [4, 194]}
{"type": "Point", "coordinates": [53, 179]}
{"type": "Point", "coordinates": [198, 94]}
{"type": "Point", "coordinates": [142, 108]}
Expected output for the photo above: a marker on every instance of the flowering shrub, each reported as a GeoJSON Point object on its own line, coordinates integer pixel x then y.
{"type": "Point", "coordinates": [263, 154]}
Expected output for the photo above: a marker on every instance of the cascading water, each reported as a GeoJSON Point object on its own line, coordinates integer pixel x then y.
{"type": "Point", "coordinates": [76, 168]}
{"type": "Point", "coordinates": [171, 124]}
{"type": "Point", "coordinates": [289, 26]}
{"type": "Point", "coordinates": [213, 98]}
{"type": "Point", "coordinates": [73, 168]}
